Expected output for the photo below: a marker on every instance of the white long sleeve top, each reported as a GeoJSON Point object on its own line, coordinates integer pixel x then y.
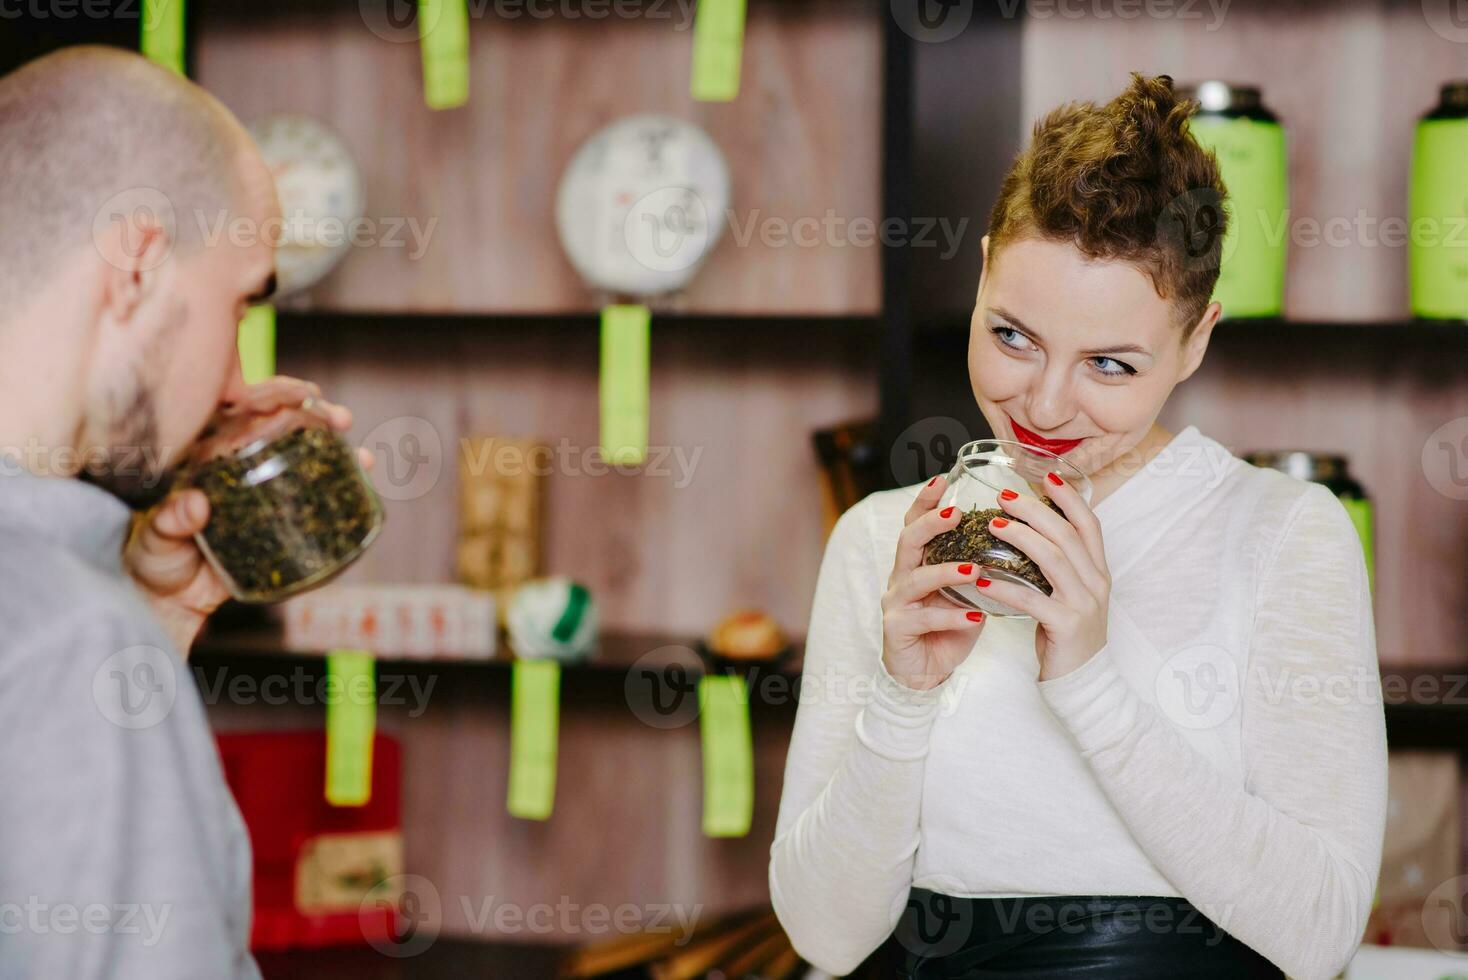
{"type": "Point", "coordinates": [1226, 745]}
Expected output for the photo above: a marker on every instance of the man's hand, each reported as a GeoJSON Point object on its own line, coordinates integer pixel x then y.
{"type": "Point", "coordinates": [162, 556]}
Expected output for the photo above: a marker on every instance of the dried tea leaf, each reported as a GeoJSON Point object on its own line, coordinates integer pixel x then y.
{"type": "Point", "coordinates": [301, 524]}
{"type": "Point", "coordinates": [971, 540]}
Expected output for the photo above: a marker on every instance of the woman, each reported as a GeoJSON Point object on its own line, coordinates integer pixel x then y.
{"type": "Point", "coordinates": [1177, 767]}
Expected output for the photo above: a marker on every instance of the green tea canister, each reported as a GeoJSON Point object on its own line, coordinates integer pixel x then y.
{"type": "Point", "coordinates": [1438, 209]}
{"type": "Point", "coordinates": [1332, 472]}
{"type": "Point", "coordinates": [1249, 142]}
{"type": "Point", "coordinates": [289, 503]}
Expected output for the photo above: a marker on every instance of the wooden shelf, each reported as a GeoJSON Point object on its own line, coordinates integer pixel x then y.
{"type": "Point", "coordinates": [1426, 708]}
{"type": "Point", "coordinates": [445, 959]}
{"type": "Point", "coordinates": [1428, 331]}
{"type": "Point", "coordinates": [261, 648]}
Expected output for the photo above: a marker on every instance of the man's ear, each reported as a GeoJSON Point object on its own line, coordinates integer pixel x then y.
{"type": "Point", "coordinates": [1198, 342]}
{"type": "Point", "coordinates": [135, 247]}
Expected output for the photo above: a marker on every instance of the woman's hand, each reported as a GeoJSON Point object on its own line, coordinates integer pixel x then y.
{"type": "Point", "coordinates": [1072, 619]}
{"type": "Point", "coordinates": [162, 557]}
{"type": "Point", "coordinates": [924, 636]}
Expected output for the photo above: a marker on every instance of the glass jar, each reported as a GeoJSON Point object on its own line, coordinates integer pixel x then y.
{"type": "Point", "coordinates": [1331, 472]}
{"type": "Point", "coordinates": [984, 468]}
{"type": "Point", "coordinates": [1437, 261]}
{"type": "Point", "coordinates": [289, 504]}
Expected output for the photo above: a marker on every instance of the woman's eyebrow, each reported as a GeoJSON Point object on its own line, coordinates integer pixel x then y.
{"type": "Point", "coordinates": [1118, 349]}
{"type": "Point", "coordinates": [1019, 325]}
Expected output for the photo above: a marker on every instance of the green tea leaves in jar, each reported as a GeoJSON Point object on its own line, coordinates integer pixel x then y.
{"type": "Point", "coordinates": [289, 504]}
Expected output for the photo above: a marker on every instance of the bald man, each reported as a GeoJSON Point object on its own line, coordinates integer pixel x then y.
{"type": "Point", "coordinates": [122, 853]}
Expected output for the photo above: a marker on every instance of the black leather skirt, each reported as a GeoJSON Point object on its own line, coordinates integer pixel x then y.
{"type": "Point", "coordinates": [1117, 937]}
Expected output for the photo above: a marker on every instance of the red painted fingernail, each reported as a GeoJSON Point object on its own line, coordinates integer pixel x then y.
{"type": "Point", "coordinates": [1055, 479]}
{"type": "Point", "coordinates": [932, 481]}
{"type": "Point", "coordinates": [965, 569]}
{"type": "Point", "coordinates": [983, 583]}
{"type": "Point", "coordinates": [999, 522]}
{"type": "Point", "coordinates": [1008, 495]}
{"type": "Point", "coordinates": [975, 617]}
{"type": "Point", "coordinates": [946, 512]}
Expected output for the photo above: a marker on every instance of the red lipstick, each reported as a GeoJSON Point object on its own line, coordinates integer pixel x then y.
{"type": "Point", "coordinates": [1057, 446]}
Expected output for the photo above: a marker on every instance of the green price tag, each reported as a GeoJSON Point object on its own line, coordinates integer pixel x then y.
{"type": "Point", "coordinates": [1360, 513]}
{"type": "Point", "coordinates": [351, 724]}
{"type": "Point", "coordinates": [625, 367]}
{"type": "Point", "coordinates": [728, 756]}
{"type": "Point", "coordinates": [718, 48]}
{"type": "Point", "coordinates": [1437, 254]}
{"type": "Point", "coordinates": [162, 38]}
{"type": "Point", "coordinates": [443, 29]}
{"type": "Point", "coordinates": [535, 708]}
{"type": "Point", "coordinates": [257, 343]}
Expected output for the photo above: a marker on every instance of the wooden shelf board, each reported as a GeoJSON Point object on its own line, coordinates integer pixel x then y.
{"type": "Point", "coordinates": [263, 646]}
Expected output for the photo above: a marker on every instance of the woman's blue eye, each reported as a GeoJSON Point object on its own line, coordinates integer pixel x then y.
{"type": "Point", "coordinates": [1112, 367]}
{"type": "Point", "coordinates": [1009, 337]}
{"type": "Point", "coordinates": [1108, 366]}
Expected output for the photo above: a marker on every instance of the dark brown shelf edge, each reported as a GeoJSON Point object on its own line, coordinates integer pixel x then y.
{"type": "Point", "coordinates": [1425, 708]}
{"type": "Point", "coordinates": [950, 325]}
{"type": "Point", "coordinates": [264, 646]}
{"type": "Point", "coordinates": [588, 318]}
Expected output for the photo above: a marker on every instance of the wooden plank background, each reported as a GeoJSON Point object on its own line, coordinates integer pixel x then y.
{"type": "Point", "coordinates": [801, 141]}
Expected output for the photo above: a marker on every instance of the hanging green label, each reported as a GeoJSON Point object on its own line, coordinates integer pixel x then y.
{"type": "Point", "coordinates": [1251, 157]}
{"type": "Point", "coordinates": [257, 343]}
{"type": "Point", "coordinates": [728, 756]}
{"type": "Point", "coordinates": [535, 707]}
{"type": "Point", "coordinates": [162, 35]}
{"type": "Point", "coordinates": [1360, 512]}
{"type": "Point", "coordinates": [718, 48]}
{"type": "Point", "coordinates": [443, 30]}
{"type": "Point", "coordinates": [351, 724]}
{"type": "Point", "coordinates": [1438, 220]}
{"type": "Point", "coordinates": [625, 368]}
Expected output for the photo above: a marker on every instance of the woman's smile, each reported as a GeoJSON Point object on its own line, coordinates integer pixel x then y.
{"type": "Point", "coordinates": [1057, 446]}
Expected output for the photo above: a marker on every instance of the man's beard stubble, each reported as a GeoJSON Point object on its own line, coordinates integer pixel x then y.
{"type": "Point", "coordinates": [132, 467]}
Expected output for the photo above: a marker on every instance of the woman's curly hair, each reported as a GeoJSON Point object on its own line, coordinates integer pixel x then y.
{"type": "Point", "coordinates": [1123, 181]}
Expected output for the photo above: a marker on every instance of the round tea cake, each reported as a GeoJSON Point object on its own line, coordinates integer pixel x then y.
{"type": "Point", "coordinates": [746, 635]}
{"type": "Point", "coordinates": [552, 618]}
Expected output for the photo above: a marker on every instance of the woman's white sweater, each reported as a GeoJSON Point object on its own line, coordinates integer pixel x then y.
{"type": "Point", "coordinates": [1227, 744]}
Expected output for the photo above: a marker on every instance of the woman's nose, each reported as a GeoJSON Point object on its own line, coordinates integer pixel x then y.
{"type": "Point", "coordinates": [1049, 405]}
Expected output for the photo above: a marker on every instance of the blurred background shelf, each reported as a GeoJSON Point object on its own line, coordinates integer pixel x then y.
{"type": "Point", "coordinates": [445, 959]}
{"type": "Point", "coordinates": [1452, 333]}
{"type": "Point", "coordinates": [1425, 707]}
{"type": "Point", "coordinates": [260, 649]}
